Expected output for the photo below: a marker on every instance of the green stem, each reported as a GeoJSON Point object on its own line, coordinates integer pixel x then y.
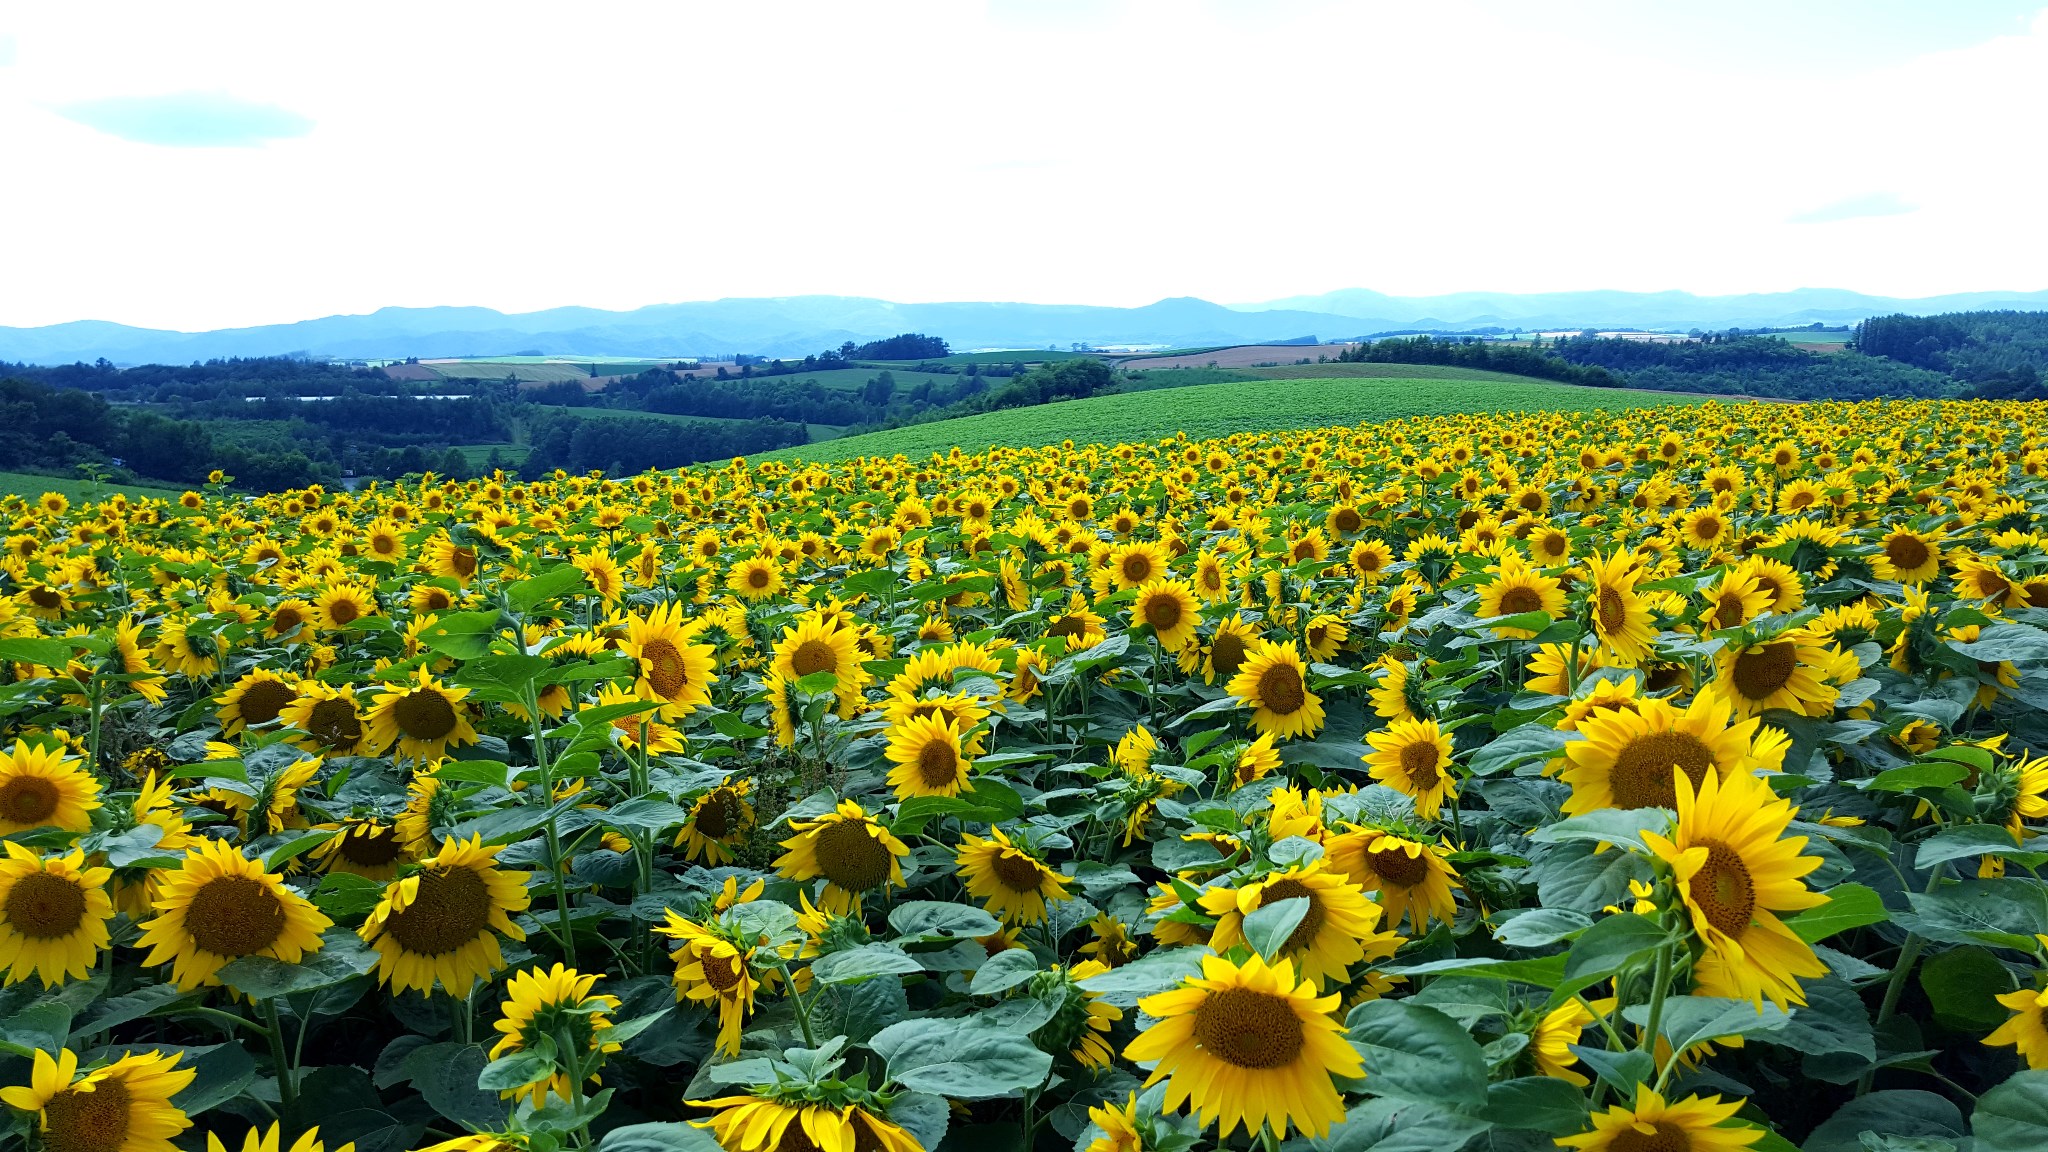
{"type": "Point", "coordinates": [287, 1075]}
{"type": "Point", "coordinates": [1660, 982]}
{"type": "Point", "coordinates": [1909, 955]}
{"type": "Point", "coordinates": [803, 1010]}
{"type": "Point", "coordinates": [222, 1017]}
{"type": "Point", "coordinates": [567, 1053]}
{"type": "Point", "coordinates": [554, 835]}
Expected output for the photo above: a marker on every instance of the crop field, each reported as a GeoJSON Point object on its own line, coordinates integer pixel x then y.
{"type": "Point", "coordinates": [1205, 410]}
{"type": "Point", "coordinates": [32, 485]}
{"type": "Point", "coordinates": [854, 379]}
{"type": "Point", "coordinates": [1019, 356]}
{"type": "Point", "coordinates": [1514, 770]}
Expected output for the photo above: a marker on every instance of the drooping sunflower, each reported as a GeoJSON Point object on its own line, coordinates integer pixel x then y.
{"type": "Point", "coordinates": [1414, 757]}
{"type": "Point", "coordinates": [1274, 682]}
{"type": "Point", "coordinates": [1788, 671]}
{"type": "Point", "coordinates": [369, 848]}
{"type": "Point", "coordinates": [670, 667]}
{"type": "Point", "coordinates": [219, 906]}
{"type": "Point", "coordinates": [1621, 617]}
{"type": "Point", "coordinates": [1736, 871]}
{"type": "Point", "coordinates": [713, 970]}
{"type": "Point", "coordinates": [258, 698]}
{"type": "Point", "coordinates": [1414, 879]}
{"type": "Point", "coordinates": [1249, 1045]}
{"type": "Point", "coordinates": [851, 850]}
{"type": "Point", "coordinates": [422, 717]}
{"type": "Point", "coordinates": [441, 924]}
{"type": "Point", "coordinates": [1690, 1125]}
{"type": "Point", "coordinates": [53, 915]}
{"type": "Point", "coordinates": [1011, 882]}
{"type": "Point", "coordinates": [123, 1107]}
{"type": "Point", "coordinates": [1255, 761]}
{"type": "Point", "coordinates": [1340, 928]}
{"type": "Point", "coordinates": [1551, 1040]}
{"type": "Point", "coordinates": [134, 657]}
{"type": "Point", "coordinates": [328, 716]}
{"type": "Point", "coordinates": [928, 758]}
{"type": "Point", "coordinates": [1626, 758]}
{"type": "Point", "coordinates": [1171, 611]}
{"type": "Point", "coordinates": [555, 1005]}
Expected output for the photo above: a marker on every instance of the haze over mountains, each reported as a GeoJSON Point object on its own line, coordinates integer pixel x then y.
{"type": "Point", "coordinates": [796, 325]}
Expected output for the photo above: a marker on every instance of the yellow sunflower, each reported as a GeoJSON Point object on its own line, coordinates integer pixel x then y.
{"type": "Point", "coordinates": [1787, 671]}
{"type": "Point", "coordinates": [220, 906]}
{"type": "Point", "coordinates": [340, 605]}
{"type": "Point", "coordinates": [2027, 1030]}
{"type": "Point", "coordinates": [1414, 880]}
{"type": "Point", "coordinates": [53, 915]}
{"type": "Point", "coordinates": [553, 1006]}
{"type": "Point", "coordinates": [369, 848]}
{"type": "Point", "coordinates": [43, 788]}
{"type": "Point", "coordinates": [1519, 589]}
{"type": "Point", "coordinates": [1119, 1126]}
{"type": "Point", "coordinates": [258, 698]}
{"type": "Point", "coordinates": [268, 1140]}
{"type": "Point", "coordinates": [446, 558]}
{"type": "Point", "coordinates": [815, 644]}
{"type": "Point", "coordinates": [1011, 882]}
{"type": "Point", "coordinates": [711, 969]}
{"type": "Point", "coordinates": [1414, 757]}
{"type": "Point", "coordinates": [1621, 618]}
{"type": "Point", "coordinates": [1077, 625]}
{"type": "Point", "coordinates": [928, 758]}
{"type": "Point", "coordinates": [718, 820]}
{"type": "Point", "coordinates": [849, 849]}
{"type": "Point", "coordinates": [1693, 1124]}
{"type": "Point", "coordinates": [1171, 611]}
{"type": "Point", "coordinates": [1907, 556]}
{"type": "Point", "coordinates": [1274, 682]}
{"type": "Point", "coordinates": [755, 578]}
{"type": "Point", "coordinates": [757, 1124]}
{"type": "Point", "coordinates": [670, 668]}
{"type": "Point", "coordinates": [422, 717]}
{"type": "Point", "coordinates": [1626, 758]}
{"type": "Point", "coordinates": [123, 1107]}
{"type": "Point", "coordinates": [1340, 928]}
{"type": "Point", "coordinates": [328, 717]}
{"type": "Point", "coordinates": [441, 924]}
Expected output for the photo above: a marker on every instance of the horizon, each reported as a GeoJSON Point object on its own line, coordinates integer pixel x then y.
{"type": "Point", "coordinates": [246, 166]}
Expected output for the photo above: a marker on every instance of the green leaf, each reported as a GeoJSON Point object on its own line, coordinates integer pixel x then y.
{"type": "Point", "coordinates": [731, 727]}
{"type": "Point", "coordinates": [1004, 970]}
{"type": "Point", "coordinates": [936, 919]}
{"type": "Point", "coordinates": [1618, 942]}
{"type": "Point", "coordinates": [959, 1059]}
{"type": "Point", "coordinates": [36, 650]}
{"type": "Point", "coordinates": [1398, 1125]}
{"type": "Point", "coordinates": [1964, 840]}
{"type": "Point", "coordinates": [530, 593]}
{"type": "Point", "coordinates": [1691, 1020]}
{"type": "Point", "coordinates": [342, 956]}
{"type": "Point", "coordinates": [1849, 906]}
{"type": "Point", "coordinates": [2004, 912]}
{"type": "Point", "coordinates": [297, 847]}
{"type": "Point", "coordinates": [1268, 928]}
{"type": "Point", "coordinates": [45, 1026]}
{"type": "Point", "coordinates": [670, 1137]}
{"type": "Point", "coordinates": [515, 1071]}
{"type": "Point", "coordinates": [1541, 927]}
{"type": "Point", "coordinates": [646, 813]}
{"type": "Point", "coordinates": [445, 1075]}
{"type": "Point", "coordinates": [1896, 1113]}
{"type": "Point", "coordinates": [1416, 1053]}
{"type": "Point", "coordinates": [503, 677]}
{"type": "Point", "coordinates": [463, 635]}
{"type": "Point", "coordinates": [1915, 776]}
{"type": "Point", "coordinates": [2017, 643]}
{"type": "Point", "coordinates": [1518, 746]}
{"type": "Point", "coordinates": [864, 963]}
{"type": "Point", "coordinates": [1962, 986]}
{"type": "Point", "coordinates": [344, 895]}
{"type": "Point", "coordinates": [1621, 1071]}
{"type": "Point", "coordinates": [1545, 972]}
{"type": "Point", "coordinates": [1126, 984]}
{"type": "Point", "coordinates": [1623, 826]}
{"type": "Point", "coordinates": [2013, 1117]}
{"type": "Point", "coordinates": [1542, 1103]}
{"type": "Point", "coordinates": [220, 1073]}
{"type": "Point", "coordinates": [818, 684]}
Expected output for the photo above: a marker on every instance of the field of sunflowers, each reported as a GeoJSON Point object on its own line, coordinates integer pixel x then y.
{"type": "Point", "coordinates": [1658, 781]}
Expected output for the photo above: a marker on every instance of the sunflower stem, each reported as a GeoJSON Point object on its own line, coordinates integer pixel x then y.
{"type": "Point", "coordinates": [287, 1076]}
{"type": "Point", "coordinates": [554, 834]}
{"type": "Point", "coordinates": [1909, 955]}
{"type": "Point", "coordinates": [803, 1010]}
{"type": "Point", "coordinates": [1659, 984]}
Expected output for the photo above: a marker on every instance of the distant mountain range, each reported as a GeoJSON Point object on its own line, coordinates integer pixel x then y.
{"type": "Point", "coordinates": [795, 325]}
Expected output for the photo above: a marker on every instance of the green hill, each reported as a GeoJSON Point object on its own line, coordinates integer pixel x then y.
{"type": "Point", "coordinates": [1207, 410]}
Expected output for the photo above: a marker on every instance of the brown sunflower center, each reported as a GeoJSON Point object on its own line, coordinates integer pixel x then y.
{"type": "Point", "coordinates": [1304, 933]}
{"type": "Point", "coordinates": [1018, 872]}
{"type": "Point", "coordinates": [814, 656]}
{"type": "Point", "coordinates": [436, 599]}
{"type": "Point", "coordinates": [1419, 761]}
{"type": "Point", "coordinates": [286, 618]}
{"type": "Point", "coordinates": [28, 800]}
{"type": "Point", "coordinates": [662, 663]}
{"type": "Point", "coordinates": [95, 1121]}
{"type": "Point", "coordinates": [1227, 652]}
{"type": "Point", "coordinates": [1907, 553]}
{"type": "Point", "coordinates": [263, 700]}
{"type": "Point", "coordinates": [1394, 866]}
{"type": "Point", "coordinates": [1137, 568]}
{"type": "Point", "coordinates": [1369, 561]}
{"type": "Point", "coordinates": [1642, 772]}
{"type": "Point", "coordinates": [794, 1139]}
{"type": "Point", "coordinates": [1723, 890]}
{"type": "Point", "coordinates": [424, 714]}
{"type": "Point", "coordinates": [1348, 520]}
{"type": "Point", "coordinates": [1249, 1029]}
{"type": "Point", "coordinates": [451, 908]}
{"type": "Point", "coordinates": [463, 560]}
{"type": "Point", "coordinates": [719, 814]}
{"type": "Point", "coordinates": [1729, 610]}
{"type": "Point", "coordinates": [370, 847]}
{"type": "Point", "coordinates": [1163, 613]}
{"type": "Point", "coordinates": [1706, 528]}
{"type": "Point", "coordinates": [1612, 610]}
{"type": "Point", "coordinates": [720, 971]}
{"type": "Point", "coordinates": [1070, 627]}
{"type": "Point", "coordinates": [1520, 599]}
{"type": "Point", "coordinates": [45, 907]}
{"type": "Point", "coordinates": [234, 916]}
{"type": "Point", "coordinates": [1764, 670]}
{"type": "Point", "coordinates": [343, 610]}
{"type": "Point", "coordinates": [850, 856]}
{"type": "Point", "coordinates": [334, 724]}
{"type": "Point", "coordinates": [938, 765]}
{"type": "Point", "coordinates": [1281, 689]}
{"type": "Point", "coordinates": [1667, 1137]}
{"type": "Point", "coordinates": [759, 576]}
{"type": "Point", "coordinates": [45, 597]}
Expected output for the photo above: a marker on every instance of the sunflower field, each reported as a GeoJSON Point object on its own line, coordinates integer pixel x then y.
{"type": "Point", "coordinates": [1661, 781]}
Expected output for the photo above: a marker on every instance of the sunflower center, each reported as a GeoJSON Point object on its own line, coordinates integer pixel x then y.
{"type": "Point", "coordinates": [1520, 599]}
{"type": "Point", "coordinates": [1397, 867]}
{"type": "Point", "coordinates": [663, 666]}
{"type": "Point", "coordinates": [1137, 569]}
{"type": "Point", "coordinates": [436, 599]}
{"type": "Point", "coordinates": [424, 715]}
{"type": "Point", "coordinates": [1765, 670]}
{"type": "Point", "coordinates": [286, 618]}
{"type": "Point", "coordinates": [1612, 610]}
{"type": "Point", "coordinates": [95, 1121]}
{"type": "Point", "coordinates": [1667, 1138]}
{"type": "Point", "coordinates": [263, 700]}
{"type": "Point", "coordinates": [1163, 613]}
{"type": "Point", "coordinates": [45, 907]}
{"type": "Point", "coordinates": [1419, 761]}
{"type": "Point", "coordinates": [1281, 689]}
{"type": "Point", "coordinates": [234, 916]}
{"type": "Point", "coordinates": [343, 611]}
{"type": "Point", "coordinates": [463, 560]}
{"type": "Point", "coordinates": [721, 972]}
{"type": "Point", "coordinates": [1707, 527]}
{"type": "Point", "coordinates": [1728, 610]}
{"type": "Point", "coordinates": [29, 800]}
{"type": "Point", "coordinates": [1070, 627]}
{"type": "Point", "coordinates": [1723, 889]}
{"type": "Point", "coordinates": [850, 856]}
{"type": "Point", "coordinates": [1642, 772]}
{"type": "Point", "coordinates": [451, 908]}
{"type": "Point", "coordinates": [1304, 933]}
{"type": "Point", "coordinates": [1227, 652]}
{"type": "Point", "coordinates": [937, 764]}
{"type": "Point", "coordinates": [370, 847]}
{"type": "Point", "coordinates": [1018, 872]}
{"type": "Point", "coordinates": [719, 812]}
{"type": "Point", "coordinates": [1249, 1029]}
{"type": "Point", "coordinates": [759, 577]}
{"type": "Point", "coordinates": [334, 724]}
{"type": "Point", "coordinates": [1906, 552]}
{"type": "Point", "coordinates": [814, 656]}
{"type": "Point", "coordinates": [794, 1138]}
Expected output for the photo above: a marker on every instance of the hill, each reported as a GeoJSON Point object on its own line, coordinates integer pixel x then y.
{"type": "Point", "coordinates": [1206, 410]}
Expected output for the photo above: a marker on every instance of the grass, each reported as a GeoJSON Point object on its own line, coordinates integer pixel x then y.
{"type": "Point", "coordinates": [77, 491]}
{"type": "Point", "coordinates": [855, 379]}
{"type": "Point", "coordinates": [510, 455]}
{"type": "Point", "coordinates": [1208, 410]}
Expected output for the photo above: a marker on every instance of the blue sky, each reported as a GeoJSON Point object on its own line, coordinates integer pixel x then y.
{"type": "Point", "coordinates": [223, 164]}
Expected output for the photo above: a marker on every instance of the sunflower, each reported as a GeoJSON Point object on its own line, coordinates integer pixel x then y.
{"type": "Point", "coordinates": [422, 717]}
{"type": "Point", "coordinates": [218, 906]}
{"type": "Point", "coordinates": [441, 924]}
{"type": "Point", "coordinates": [426, 599]}
{"type": "Point", "coordinates": [327, 716]}
{"type": "Point", "coordinates": [1110, 941]}
{"type": "Point", "coordinates": [1339, 929]}
{"type": "Point", "coordinates": [850, 849]}
{"type": "Point", "coordinates": [369, 848]}
{"type": "Point", "coordinates": [1274, 682]}
{"type": "Point", "coordinates": [1626, 758]}
{"type": "Point", "coordinates": [1414, 879]}
{"type": "Point", "coordinates": [1077, 625]}
{"type": "Point", "coordinates": [927, 756]}
{"type": "Point", "coordinates": [258, 698]}
{"type": "Point", "coordinates": [53, 915]}
{"type": "Point", "coordinates": [1787, 671]}
{"type": "Point", "coordinates": [2027, 1029]}
{"type": "Point", "coordinates": [1519, 590]}
{"type": "Point", "coordinates": [1736, 871]}
{"type": "Point", "coordinates": [670, 668]}
{"type": "Point", "coordinates": [1734, 600]}
{"type": "Point", "coordinates": [449, 560]}
{"type": "Point", "coordinates": [123, 1107]}
{"type": "Point", "coordinates": [1011, 882]}
{"type": "Point", "coordinates": [712, 969]}
{"type": "Point", "coordinates": [134, 659]}
{"type": "Point", "coordinates": [44, 602]}
{"type": "Point", "coordinates": [815, 644]}
{"type": "Point", "coordinates": [1119, 1126]}
{"type": "Point", "coordinates": [1551, 1040]}
{"type": "Point", "coordinates": [1620, 617]}
{"type": "Point", "coordinates": [718, 820]}
{"type": "Point", "coordinates": [43, 788]}
{"type": "Point", "coordinates": [339, 606]}
{"type": "Point", "coordinates": [1693, 1124]}
{"type": "Point", "coordinates": [1249, 1045]}
{"type": "Point", "coordinates": [268, 1140]}
{"type": "Point", "coordinates": [1255, 761]}
{"type": "Point", "coordinates": [1414, 757]}
{"type": "Point", "coordinates": [1136, 564]}
{"type": "Point", "coordinates": [1907, 556]}
{"type": "Point", "coordinates": [638, 729]}
{"type": "Point", "coordinates": [756, 1124]}
{"type": "Point", "coordinates": [188, 648]}
{"type": "Point", "coordinates": [1170, 609]}
{"type": "Point", "coordinates": [755, 578]}
{"type": "Point", "coordinates": [555, 1005]}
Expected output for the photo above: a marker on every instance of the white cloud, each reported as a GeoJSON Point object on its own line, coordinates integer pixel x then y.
{"type": "Point", "coordinates": [526, 156]}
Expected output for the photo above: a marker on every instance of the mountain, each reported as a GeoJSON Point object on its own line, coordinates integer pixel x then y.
{"type": "Point", "coordinates": [792, 326]}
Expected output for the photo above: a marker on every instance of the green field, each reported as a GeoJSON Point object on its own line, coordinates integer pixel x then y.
{"type": "Point", "coordinates": [32, 486]}
{"type": "Point", "coordinates": [854, 379]}
{"type": "Point", "coordinates": [1208, 410]}
{"type": "Point", "coordinates": [498, 370]}
{"type": "Point", "coordinates": [818, 431]}
{"type": "Point", "coordinates": [1019, 356]}
{"type": "Point", "coordinates": [510, 455]}
{"type": "Point", "coordinates": [1147, 378]}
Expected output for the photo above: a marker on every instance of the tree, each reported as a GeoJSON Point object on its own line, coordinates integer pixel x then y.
{"type": "Point", "coordinates": [879, 389]}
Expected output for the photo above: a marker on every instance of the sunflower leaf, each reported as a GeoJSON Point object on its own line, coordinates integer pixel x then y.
{"type": "Point", "coordinates": [864, 963]}
{"type": "Point", "coordinates": [1623, 826]}
{"type": "Point", "coordinates": [1004, 970]}
{"type": "Point", "coordinates": [1416, 1053]}
{"type": "Point", "coordinates": [665, 1137]}
{"type": "Point", "coordinates": [1268, 929]}
{"type": "Point", "coordinates": [2013, 1117]}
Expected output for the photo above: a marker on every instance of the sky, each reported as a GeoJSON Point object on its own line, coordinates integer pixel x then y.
{"type": "Point", "coordinates": [211, 165]}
